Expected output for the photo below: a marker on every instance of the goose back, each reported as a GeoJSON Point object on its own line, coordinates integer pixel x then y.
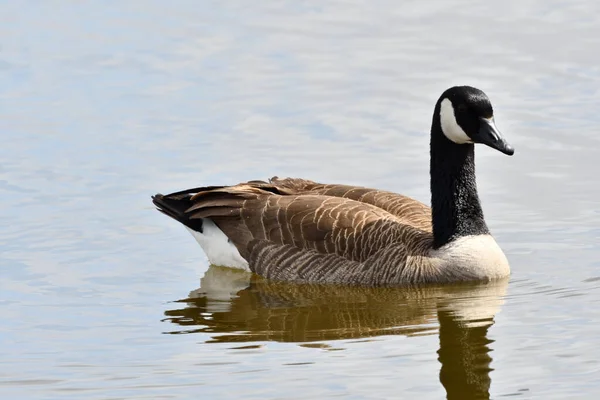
{"type": "Point", "coordinates": [410, 211]}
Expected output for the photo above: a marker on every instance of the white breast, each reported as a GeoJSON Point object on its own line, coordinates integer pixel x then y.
{"type": "Point", "coordinates": [478, 257]}
{"type": "Point", "coordinates": [217, 247]}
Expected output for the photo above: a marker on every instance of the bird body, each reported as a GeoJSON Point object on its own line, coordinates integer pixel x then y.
{"type": "Point", "coordinates": [299, 231]}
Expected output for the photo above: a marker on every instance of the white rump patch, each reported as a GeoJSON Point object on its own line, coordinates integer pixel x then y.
{"type": "Point", "coordinates": [450, 127]}
{"type": "Point", "coordinates": [217, 247]}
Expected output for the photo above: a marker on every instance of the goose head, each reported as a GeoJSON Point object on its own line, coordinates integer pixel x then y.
{"type": "Point", "coordinates": [466, 116]}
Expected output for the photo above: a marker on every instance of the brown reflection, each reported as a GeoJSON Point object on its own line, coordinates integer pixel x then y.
{"type": "Point", "coordinates": [464, 355]}
{"type": "Point", "coordinates": [233, 306]}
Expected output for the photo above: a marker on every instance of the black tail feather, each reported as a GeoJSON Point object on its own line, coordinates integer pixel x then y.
{"type": "Point", "coordinates": [175, 208]}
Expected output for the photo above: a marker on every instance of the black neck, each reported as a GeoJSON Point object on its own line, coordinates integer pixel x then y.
{"type": "Point", "coordinates": [455, 206]}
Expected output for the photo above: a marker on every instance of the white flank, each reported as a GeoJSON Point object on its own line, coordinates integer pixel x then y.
{"type": "Point", "coordinates": [450, 127]}
{"type": "Point", "coordinates": [217, 247]}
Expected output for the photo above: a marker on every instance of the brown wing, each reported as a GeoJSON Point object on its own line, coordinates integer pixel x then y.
{"type": "Point", "coordinates": [410, 211]}
{"type": "Point", "coordinates": [296, 231]}
{"type": "Point", "coordinates": [329, 225]}
{"type": "Point", "coordinates": [258, 210]}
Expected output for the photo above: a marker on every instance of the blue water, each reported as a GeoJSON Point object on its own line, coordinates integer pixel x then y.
{"type": "Point", "coordinates": [103, 104]}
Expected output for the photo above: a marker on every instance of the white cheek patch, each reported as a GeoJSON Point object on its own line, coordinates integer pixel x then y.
{"type": "Point", "coordinates": [450, 127]}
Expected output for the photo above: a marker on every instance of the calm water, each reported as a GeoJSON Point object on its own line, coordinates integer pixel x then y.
{"type": "Point", "coordinates": [104, 103]}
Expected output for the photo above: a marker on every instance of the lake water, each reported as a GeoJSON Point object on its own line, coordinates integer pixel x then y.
{"type": "Point", "coordinates": [103, 104]}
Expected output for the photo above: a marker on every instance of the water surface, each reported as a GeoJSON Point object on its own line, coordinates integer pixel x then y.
{"type": "Point", "coordinates": [104, 103]}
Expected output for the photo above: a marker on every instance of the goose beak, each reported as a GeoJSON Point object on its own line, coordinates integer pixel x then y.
{"type": "Point", "coordinates": [490, 135]}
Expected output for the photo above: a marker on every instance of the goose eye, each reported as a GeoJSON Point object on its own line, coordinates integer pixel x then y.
{"type": "Point", "coordinates": [461, 108]}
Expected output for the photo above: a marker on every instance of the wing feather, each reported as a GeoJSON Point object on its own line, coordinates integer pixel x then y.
{"type": "Point", "coordinates": [409, 210]}
{"type": "Point", "coordinates": [341, 221]}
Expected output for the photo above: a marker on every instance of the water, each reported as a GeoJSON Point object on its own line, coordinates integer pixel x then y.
{"type": "Point", "coordinates": [104, 103]}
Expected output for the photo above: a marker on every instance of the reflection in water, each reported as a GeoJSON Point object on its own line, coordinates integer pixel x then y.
{"type": "Point", "coordinates": [234, 306]}
{"type": "Point", "coordinates": [464, 357]}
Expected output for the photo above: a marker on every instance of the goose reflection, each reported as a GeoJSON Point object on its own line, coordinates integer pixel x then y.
{"type": "Point", "coordinates": [235, 306]}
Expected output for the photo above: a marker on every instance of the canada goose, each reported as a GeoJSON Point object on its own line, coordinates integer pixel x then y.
{"type": "Point", "coordinates": [302, 231]}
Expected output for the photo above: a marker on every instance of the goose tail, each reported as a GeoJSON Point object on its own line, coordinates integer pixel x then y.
{"type": "Point", "coordinates": [175, 207]}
